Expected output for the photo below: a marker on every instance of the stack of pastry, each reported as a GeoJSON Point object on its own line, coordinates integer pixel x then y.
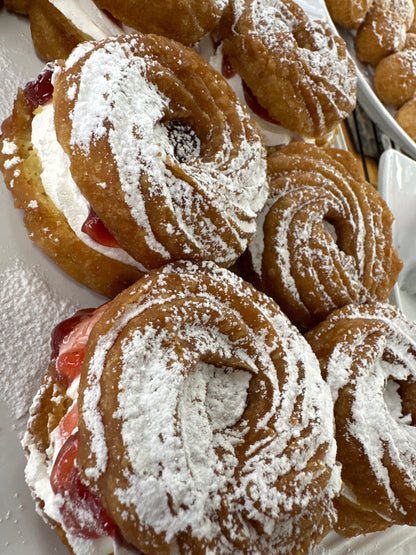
{"type": "Point", "coordinates": [385, 38]}
{"type": "Point", "coordinates": [297, 68]}
{"type": "Point", "coordinates": [189, 414]}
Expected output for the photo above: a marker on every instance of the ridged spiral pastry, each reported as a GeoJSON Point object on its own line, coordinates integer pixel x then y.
{"type": "Point", "coordinates": [204, 423]}
{"type": "Point", "coordinates": [154, 132]}
{"type": "Point", "coordinates": [157, 146]}
{"type": "Point", "coordinates": [297, 69]}
{"type": "Point", "coordinates": [186, 21]}
{"type": "Point", "coordinates": [368, 357]}
{"type": "Point", "coordinates": [395, 77]}
{"type": "Point", "coordinates": [384, 29]}
{"type": "Point", "coordinates": [324, 238]}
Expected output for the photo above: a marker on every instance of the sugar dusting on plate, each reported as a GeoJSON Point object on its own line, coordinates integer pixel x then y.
{"type": "Point", "coordinates": [30, 310]}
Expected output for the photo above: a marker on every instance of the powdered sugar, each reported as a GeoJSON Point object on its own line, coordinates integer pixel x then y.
{"type": "Point", "coordinates": [374, 354]}
{"type": "Point", "coordinates": [187, 459]}
{"type": "Point", "coordinates": [29, 311]}
{"type": "Point", "coordinates": [323, 67]}
{"type": "Point", "coordinates": [116, 90]}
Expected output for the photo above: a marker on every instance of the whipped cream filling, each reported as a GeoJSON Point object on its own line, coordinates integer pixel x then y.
{"type": "Point", "coordinates": [61, 188]}
{"type": "Point", "coordinates": [37, 474]}
{"type": "Point", "coordinates": [89, 19]}
{"type": "Point", "coordinates": [232, 181]}
{"type": "Point", "coordinates": [39, 465]}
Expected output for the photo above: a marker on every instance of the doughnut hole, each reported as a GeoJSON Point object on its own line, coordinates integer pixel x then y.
{"type": "Point", "coordinates": [381, 33]}
{"type": "Point", "coordinates": [183, 139]}
{"type": "Point", "coordinates": [407, 392]}
{"type": "Point", "coordinates": [340, 234]}
{"type": "Point", "coordinates": [394, 394]}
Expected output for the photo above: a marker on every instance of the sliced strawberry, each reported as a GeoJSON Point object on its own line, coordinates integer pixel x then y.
{"type": "Point", "coordinates": [82, 512]}
{"type": "Point", "coordinates": [69, 364]}
{"type": "Point", "coordinates": [64, 328]}
{"type": "Point", "coordinates": [69, 422]}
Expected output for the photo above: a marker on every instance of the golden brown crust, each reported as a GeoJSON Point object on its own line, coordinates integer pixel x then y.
{"type": "Point", "coordinates": [406, 117]}
{"type": "Point", "coordinates": [383, 30]}
{"type": "Point", "coordinates": [353, 519]}
{"type": "Point", "coordinates": [324, 237]}
{"type": "Point", "coordinates": [163, 207]}
{"type": "Point", "coordinates": [53, 35]}
{"type": "Point", "coordinates": [348, 13]}
{"type": "Point", "coordinates": [278, 55]}
{"type": "Point", "coordinates": [395, 78]}
{"type": "Point", "coordinates": [381, 33]}
{"type": "Point", "coordinates": [46, 225]}
{"type": "Point", "coordinates": [367, 355]}
{"type": "Point", "coordinates": [183, 20]}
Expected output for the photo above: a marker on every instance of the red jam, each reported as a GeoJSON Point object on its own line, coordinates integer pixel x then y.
{"type": "Point", "coordinates": [40, 90]}
{"type": "Point", "coordinates": [64, 328]}
{"type": "Point", "coordinates": [253, 104]}
{"type": "Point", "coordinates": [69, 364]}
{"type": "Point", "coordinates": [69, 422]}
{"type": "Point", "coordinates": [95, 229]}
{"type": "Point", "coordinates": [226, 68]}
{"type": "Point", "coordinates": [82, 512]}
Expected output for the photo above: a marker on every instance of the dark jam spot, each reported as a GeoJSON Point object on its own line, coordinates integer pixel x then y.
{"type": "Point", "coordinates": [65, 327]}
{"type": "Point", "coordinates": [184, 140]}
{"type": "Point", "coordinates": [40, 90]}
{"type": "Point", "coordinates": [113, 19]}
{"type": "Point", "coordinates": [226, 68]}
{"type": "Point", "coordinates": [253, 104]}
{"type": "Point", "coordinates": [96, 230]}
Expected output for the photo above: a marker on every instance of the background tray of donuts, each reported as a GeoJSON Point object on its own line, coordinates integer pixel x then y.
{"type": "Point", "coordinates": [34, 291]}
{"type": "Point", "coordinates": [380, 40]}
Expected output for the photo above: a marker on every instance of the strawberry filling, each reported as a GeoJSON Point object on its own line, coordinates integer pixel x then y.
{"type": "Point", "coordinates": [226, 68]}
{"type": "Point", "coordinates": [82, 512]}
{"type": "Point", "coordinates": [95, 229]}
{"type": "Point", "coordinates": [254, 105]}
{"type": "Point", "coordinates": [39, 91]}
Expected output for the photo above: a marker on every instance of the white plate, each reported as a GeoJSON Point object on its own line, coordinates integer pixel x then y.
{"type": "Point", "coordinates": [397, 185]}
{"type": "Point", "coordinates": [22, 532]}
